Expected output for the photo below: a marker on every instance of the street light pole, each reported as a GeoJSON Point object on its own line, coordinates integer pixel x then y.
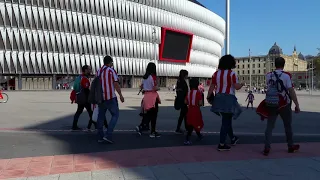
{"type": "Point", "coordinates": [154, 41]}
{"type": "Point", "coordinates": [250, 67]}
{"type": "Point", "coordinates": [227, 48]}
{"type": "Point", "coordinates": [312, 77]}
{"type": "Point", "coordinates": [306, 78]}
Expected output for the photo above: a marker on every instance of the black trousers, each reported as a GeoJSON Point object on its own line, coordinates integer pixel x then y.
{"type": "Point", "coordinates": [151, 117]}
{"type": "Point", "coordinates": [183, 116]}
{"type": "Point", "coordinates": [143, 126]}
{"type": "Point", "coordinates": [226, 127]}
{"type": "Point", "coordinates": [189, 132]}
{"type": "Point", "coordinates": [90, 112]}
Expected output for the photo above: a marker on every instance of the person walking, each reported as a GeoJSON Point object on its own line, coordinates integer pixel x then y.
{"type": "Point", "coordinates": [194, 115]}
{"type": "Point", "coordinates": [82, 90]}
{"type": "Point", "coordinates": [250, 99]}
{"type": "Point", "coordinates": [225, 104]}
{"type": "Point", "coordinates": [279, 96]}
{"type": "Point", "coordinates": [110, 84]}
{"type": "Point", "coordinates": [150, 102]}
{"type": "Point", "coordinates": [181, 92]}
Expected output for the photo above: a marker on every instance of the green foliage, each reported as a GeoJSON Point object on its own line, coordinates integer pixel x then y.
{"type": "Point", "coordinates": [316, 62]}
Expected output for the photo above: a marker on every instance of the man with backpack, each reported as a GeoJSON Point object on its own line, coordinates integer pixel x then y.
{"type": "Point", "coordinates": [103, 93]}
{"type": "Point", "coordinates": [279, 97]}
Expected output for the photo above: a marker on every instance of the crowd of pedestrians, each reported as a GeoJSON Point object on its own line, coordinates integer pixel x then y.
{"type": "Point", "coordinates": [189, 99]}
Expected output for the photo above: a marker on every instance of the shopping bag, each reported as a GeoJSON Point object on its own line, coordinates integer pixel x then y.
{"type": "Point", "coordinates": [95, 113]}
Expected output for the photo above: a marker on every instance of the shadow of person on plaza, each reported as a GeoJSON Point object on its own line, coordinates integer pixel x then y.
{"type": "Point", "coordinates": [58, 133]}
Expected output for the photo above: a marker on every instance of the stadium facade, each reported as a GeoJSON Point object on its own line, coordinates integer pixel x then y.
{"type": "Point", "coordinates": [45, 41]}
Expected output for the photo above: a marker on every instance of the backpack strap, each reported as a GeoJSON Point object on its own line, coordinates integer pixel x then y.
{"type": "Point", "coordinates": [281, 84]}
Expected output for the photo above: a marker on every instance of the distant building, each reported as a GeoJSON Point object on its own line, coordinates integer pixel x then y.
{"type": "Point", "coordinates": [260, 65]}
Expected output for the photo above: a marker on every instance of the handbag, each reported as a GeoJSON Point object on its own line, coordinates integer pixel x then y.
{"type": "Point", "coordinates": [177, 104]}
{"type": "Point", "coordinates": [211, 98]}
{"type": "Point", "coordinates": [95, 113]}
{"type": "Point", "coordinates": [81, 98]}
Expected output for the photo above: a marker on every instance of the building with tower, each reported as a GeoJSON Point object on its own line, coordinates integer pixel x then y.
{"type": "Point", "coordinates": [260, 65]}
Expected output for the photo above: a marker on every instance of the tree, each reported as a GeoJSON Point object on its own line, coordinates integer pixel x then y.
{"type": "Point", "coordinates": [318, 52]}
{"type": "Point", "coordinates": [316, 64]}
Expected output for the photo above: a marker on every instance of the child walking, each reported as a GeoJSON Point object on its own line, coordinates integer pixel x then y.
{"type": "Point", "coordinates": [250, 97]}
{"type": "Point", "coordinates": [194, 115]}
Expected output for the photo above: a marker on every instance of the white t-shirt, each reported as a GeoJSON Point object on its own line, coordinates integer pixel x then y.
{"type": "Point", "coordinates": [149, 83]}
{"type": "Point", "coordinates": [286, 79]}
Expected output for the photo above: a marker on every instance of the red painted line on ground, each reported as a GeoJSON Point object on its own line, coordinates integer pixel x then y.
{"type": "Point", "coordinates": [40, 166]}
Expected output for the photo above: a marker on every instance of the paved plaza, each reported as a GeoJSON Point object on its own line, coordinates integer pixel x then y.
{"type": "Point", "coordinates": [36, 143]}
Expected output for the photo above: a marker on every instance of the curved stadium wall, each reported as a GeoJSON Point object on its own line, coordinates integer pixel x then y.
{"type": "Point", "coordinates": [57, 37]}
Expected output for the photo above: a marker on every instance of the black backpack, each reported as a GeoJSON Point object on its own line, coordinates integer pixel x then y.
{"type": "Point", "coordinates": [96, 92]}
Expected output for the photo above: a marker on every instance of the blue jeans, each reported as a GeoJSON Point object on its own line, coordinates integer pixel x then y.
{"type": "Point", "coordinates": [112, 106]}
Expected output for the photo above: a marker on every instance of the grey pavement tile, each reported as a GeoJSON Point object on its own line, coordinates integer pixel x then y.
{"type": "Point", "coordinates": [173, 178]}
{"type": "Point", "coordinates": [137, 173]}
{"type": "Point", "coordinates": [204, 176]}
{"type": "Point", "coordinates": [294, 161]}
{"type": "Point", "coordinates": [193, 168]}
{"type": "Point", "coordinates": [110, 174]}
{"type": "Point", "coordinates": [142, 179]}
{"type": "Point", "coordinates": [316, 158]}
{"type": "Point", "coordinates": [292, 170]}
{"type": "Point", "coordinates": [217, 165]}
{"type": "Point", "coordinates": [255, 174]}
{"type": "Point", "coordinates": [313, 175]}
{"type": "Point", "coordinates": [76, 176]}
{"type": "Point", "coordinates": [18, 178]}
{"type": "Point", "coordinates": [49, 177]}
{"type": "Point", "coordinates": [168, 172]}
{"type": "Point", "coordinates": [228, 174]}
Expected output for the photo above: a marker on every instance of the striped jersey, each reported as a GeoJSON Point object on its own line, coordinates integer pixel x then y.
{"type": "Point", "coordinates": [224, 81]}
{"type": "Point", "coordinates": [108, 77]}
{"type": "Point", "coordinates": [193, 97]}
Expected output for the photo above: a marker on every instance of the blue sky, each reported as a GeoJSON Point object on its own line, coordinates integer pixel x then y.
{"type": "Point", "coordinates": [257, 24]}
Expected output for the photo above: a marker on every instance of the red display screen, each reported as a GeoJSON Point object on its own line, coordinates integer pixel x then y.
{"type": "Point", "coordinates": [175, 45]}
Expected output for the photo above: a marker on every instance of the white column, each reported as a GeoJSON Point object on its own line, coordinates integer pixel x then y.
{"type": "Point", "coordinates": [227, 46]}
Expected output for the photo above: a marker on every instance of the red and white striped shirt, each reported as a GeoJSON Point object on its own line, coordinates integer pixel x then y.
{"type": "Point", "coordinates": [193, 97]}
{"type": "Point", "coordinates": [224, 81]}
{"type": "Point", "coordinates": [108, 77]}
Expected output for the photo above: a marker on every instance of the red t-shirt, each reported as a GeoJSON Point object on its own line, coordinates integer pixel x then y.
{"type": "Point", "coordinates": [85, 83]}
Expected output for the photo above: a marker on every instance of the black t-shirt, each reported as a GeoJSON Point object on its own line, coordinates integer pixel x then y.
{"type": "Point", "coordinates": [182, 89]}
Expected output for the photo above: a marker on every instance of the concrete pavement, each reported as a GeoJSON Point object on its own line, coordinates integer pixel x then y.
{"type": "Point", "coordinates": [37, 124]}
{"type": "Point", "coordinates": [52, 111]}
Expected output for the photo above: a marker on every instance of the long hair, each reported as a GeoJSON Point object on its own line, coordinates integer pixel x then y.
{"type": "Point", "coordinates": [227, 62]}
{"type": "Point", "coordinates": [194, 83]}
{"type": "Point", "coordinates": [151, 70]}
{"type": "Point", "coordinates": [183, 73]}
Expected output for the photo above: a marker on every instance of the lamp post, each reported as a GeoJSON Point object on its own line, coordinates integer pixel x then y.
{"type": "Point", "coordinates": [227, 48]}
{"type": "Point", "coordinates": [306, 78]}
{"type": "Point", "coordinates": [312, 76]}
{"type": "Point", "coordinates": [154, 41]}
{"type": "Point", "coordinates": [250, 68]}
